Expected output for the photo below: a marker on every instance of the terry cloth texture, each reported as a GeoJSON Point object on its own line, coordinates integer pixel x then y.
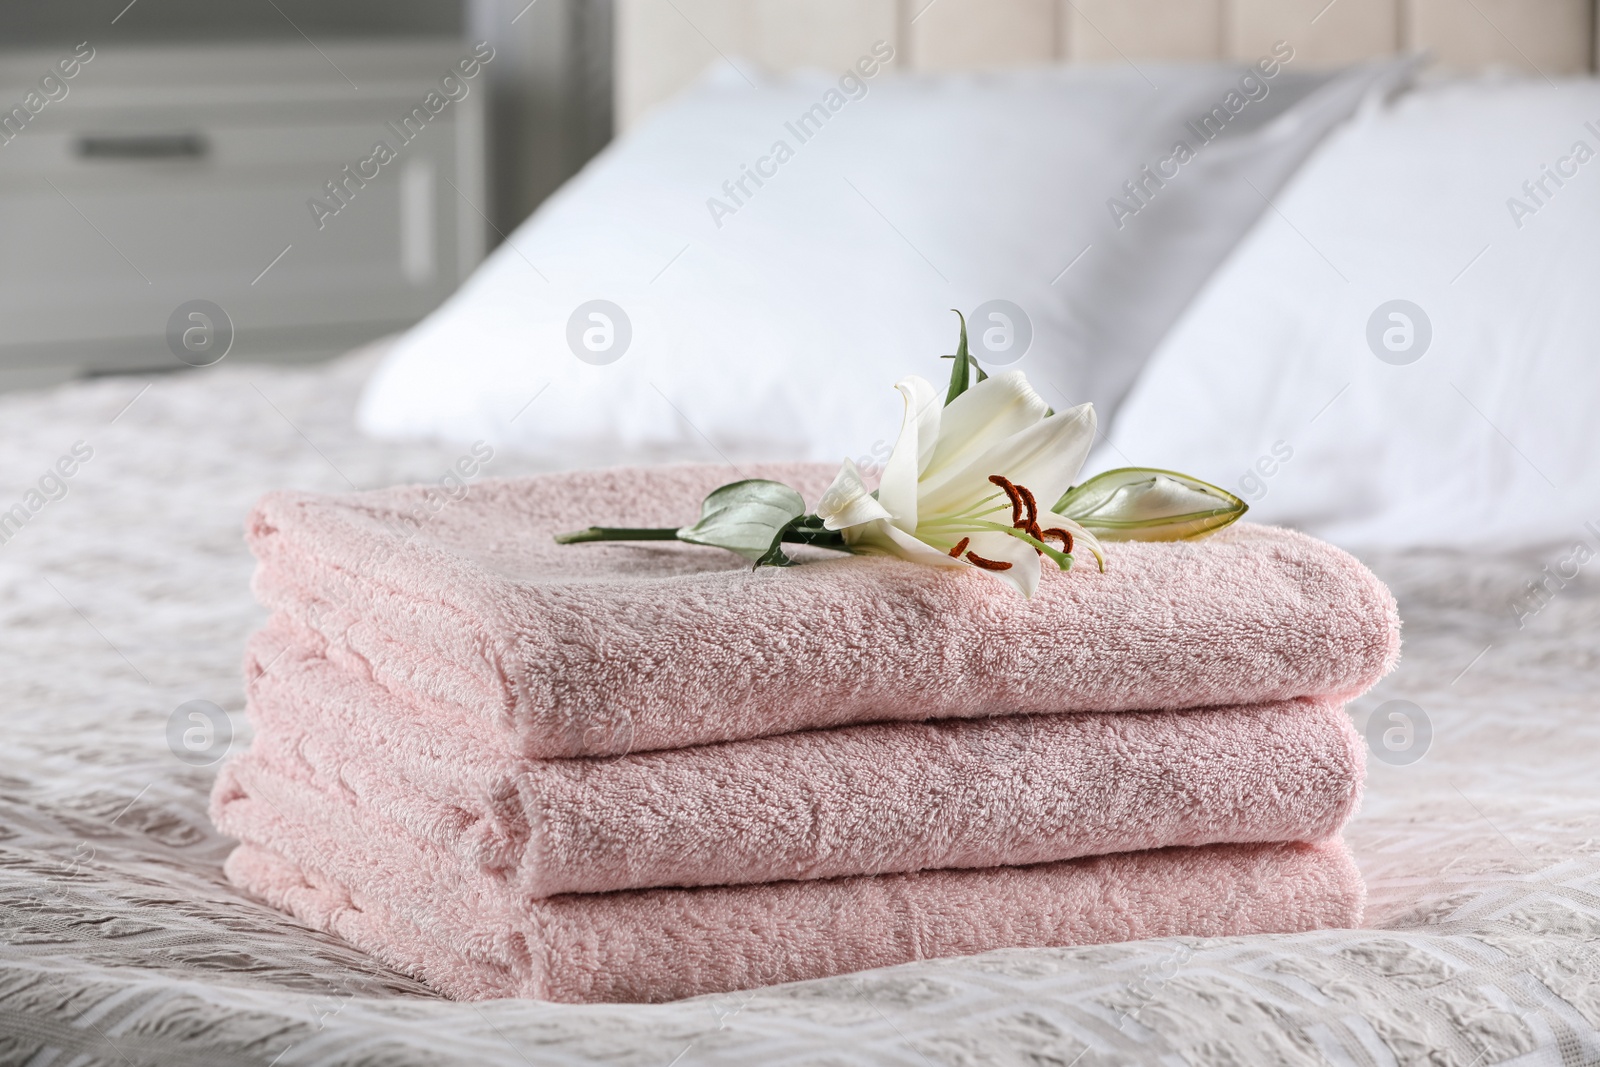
{"type": "Point", "coordinates": [369, 884]}
{"type": "Point", "coordinates": [869, 799]}
{"type": "Point", "coordinates": [638, 772]}
{"type": "Point", "coordinates": [601, 649]}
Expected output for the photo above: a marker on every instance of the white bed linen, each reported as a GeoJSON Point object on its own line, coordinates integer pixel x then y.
{"type": "Point", "coordinates": [785, 322]}
{"type": "Point", "coordinates": [1473, 422]}
{"type": "Point", "coordinates": [120, 941]}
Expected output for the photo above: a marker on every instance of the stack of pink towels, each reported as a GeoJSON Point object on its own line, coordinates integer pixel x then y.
{"type": "Point", "coordinates": [637, 772]}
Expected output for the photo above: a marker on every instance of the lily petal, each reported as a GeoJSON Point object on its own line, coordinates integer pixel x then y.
{"type": "Point", "coordinates": [1081, 538]}
{"type": "Point", "coordinates": [984, 415]}
{"type": "Point", "coordinates": [883, 538]}
{"type": "Point", "coordinates": [889, 539]}
{"type": "Point", "coordinates": [848, 501]}
{"type": "Point", "coordinates": [1023, 574]}
{"type": "Point", "coordinates": [1045, 457]}
{"type": "Point", "coordinates": [919, 432]}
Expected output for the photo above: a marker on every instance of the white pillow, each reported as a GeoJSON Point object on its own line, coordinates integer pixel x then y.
{"type": "Point", "coordinates": [781, 318]}
{"type": "Point", "coordinates": [1490, 436]}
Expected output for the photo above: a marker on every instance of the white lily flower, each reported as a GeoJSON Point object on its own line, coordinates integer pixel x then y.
{"type": "Point", "coordinates": [963, 484]}
{"type": "Point", "coordinates": [1144, 504]}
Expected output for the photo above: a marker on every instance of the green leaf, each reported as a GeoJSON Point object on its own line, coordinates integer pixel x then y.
{"type": "Point", "coordinates": [776, 556]}
{"type": "Point", "coordinates": [959, 379]}
{"type": "Point", "coordinates": [959, 382]}
{"type": "Point", "coordinates": [747, 517]}
{"type": "Point", "coordinates": [1145, 504]}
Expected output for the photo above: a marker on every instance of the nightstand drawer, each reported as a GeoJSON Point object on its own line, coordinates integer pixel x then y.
{"type": "Point", "coordinates": [279, 205]}
{"type": "Point", "coordinates": [128, 230]}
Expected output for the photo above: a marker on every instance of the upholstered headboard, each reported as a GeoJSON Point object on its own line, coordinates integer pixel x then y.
{"type": "Point", "coordinates": [661, 45]}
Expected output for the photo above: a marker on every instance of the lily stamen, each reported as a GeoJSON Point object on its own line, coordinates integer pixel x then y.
{"type": "Point", "coordinates": [1064, 536]}
{"type": "Point", "coordinates": [987, 564]}
{"type": "Point", "coordinates": [1033, 506]}
{"type": "Point", "coordinates": [961, 546]}
{"type": "Point", "coordinates": [1012, 494]}
{"type": "Point", "coordinates": [1022, 498]}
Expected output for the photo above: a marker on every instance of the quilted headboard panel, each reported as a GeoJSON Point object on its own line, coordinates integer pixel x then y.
{"type": "Point", "coordinates": [661, 45]}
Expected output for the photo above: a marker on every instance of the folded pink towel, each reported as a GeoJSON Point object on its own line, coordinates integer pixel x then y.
{"type": "Point", "coordinates": [366, 881]}
{"type": "Point", "coordinates": [599, 649]}
{"type": "Point", "coordinates": [849, 800]}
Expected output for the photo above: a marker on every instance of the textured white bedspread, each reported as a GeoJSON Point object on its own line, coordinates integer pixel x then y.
{"type": "Point", "coordinates": [121, 943]}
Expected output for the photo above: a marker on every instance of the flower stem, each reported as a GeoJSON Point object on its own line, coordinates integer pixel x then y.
{"type": "Point", "coordinates": [616, 533]}
{"type": "Point", "coordinates": [815, 535]}
{"type": "Point", "coordinates": [803, 535]}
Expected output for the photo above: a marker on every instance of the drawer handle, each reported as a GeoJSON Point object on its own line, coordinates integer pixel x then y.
{"type": "Point", "coordinates": [144, 146]}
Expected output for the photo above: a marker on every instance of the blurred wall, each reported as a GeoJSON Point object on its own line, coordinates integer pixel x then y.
{"type": "Point", "coordinates": [550, 99]}
{"type": "Point", "coordinates": [663, 45]}
{"type": "Point", "coordinates": [550, 107]}
{"type": "Point", "coordinates": [50, 24]}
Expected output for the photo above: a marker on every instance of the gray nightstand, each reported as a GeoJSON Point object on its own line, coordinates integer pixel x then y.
{"type": "Point", "coordinates": [250, 176]}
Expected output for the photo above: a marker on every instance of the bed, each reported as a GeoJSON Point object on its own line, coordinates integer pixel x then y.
{"type": "Point", "coordinates": [125, 598]}
{"type": "Point", "coordinates": [123, 942]}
